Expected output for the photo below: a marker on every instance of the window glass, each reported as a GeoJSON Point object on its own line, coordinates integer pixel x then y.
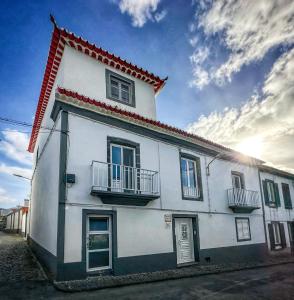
{"type": "Point", "coordinates": [192, 178]}
{"type": "Point", "coordinates": [120, 89]}
{"type": "Point", "coordinates": [114, 88]}
{"type": "Point", "coordinates": [184, 172]}
{"type": "Point", "coordinates": [98, 259]}
{"type": "Point", "coordinates": [277, 235]}
{"type": "Point", "coordinates": [96, 224]}
{"type": "Point", "coordinates": [243, 230]}
{"type": "Point", "coordinates": [237, 182]}
{"type": "Point", "coordinates": [116, 160]}
{"type": "Point", "coordinates": [98, 241]}
{"type": "Point", "coordinates": [189, 179]}
{"type": "Point", "coordinates": [125, 93]}
{"type": "Point", "coordinates": [271, 192]}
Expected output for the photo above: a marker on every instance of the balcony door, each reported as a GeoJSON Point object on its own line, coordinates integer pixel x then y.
{"type": "Point", "coordinates": [123, 168]}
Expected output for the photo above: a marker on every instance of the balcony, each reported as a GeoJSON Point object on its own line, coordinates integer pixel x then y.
{"type": "Point", "coordinates": [124, 185]}
{"type": "Point", "coordinates": [243, 201]}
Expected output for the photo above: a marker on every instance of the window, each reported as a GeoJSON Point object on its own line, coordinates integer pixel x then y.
{"type": "Point", "coordinates": [99, 243]}
{"type": "Point", "coordinates": [277, 235]}
{"type": "Point", "coordinates": [123, 171]}
{"type": "Point", "coordinates": [190, 177]}
{"type": "Point", "coordinates": [286, 196]}
{"type": "Point", "coordinates": [119, 88]}
{"type": "Point", "coordinates": [243, 229]}
{"type": "Point", "coordinates": [238, 180]}
{"type": "Point", "coordinates": [271, 193]}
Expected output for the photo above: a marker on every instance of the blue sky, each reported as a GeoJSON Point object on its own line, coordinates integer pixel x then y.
{"type": "Point", "coordinates": [225, 72]}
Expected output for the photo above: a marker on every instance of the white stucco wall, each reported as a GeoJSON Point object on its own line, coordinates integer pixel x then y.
{"type": "Point", "coordinates": [85, 75]}
{"type": "Point", "coordinates": [279, 214]}
{"type": "Point", "coordinates": [143, 231]}
{"type": "Point", "coordinates": [44, 197]}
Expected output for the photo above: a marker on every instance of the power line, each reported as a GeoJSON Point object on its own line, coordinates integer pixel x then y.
{"type": "Point", "coordinates": [25, 124]}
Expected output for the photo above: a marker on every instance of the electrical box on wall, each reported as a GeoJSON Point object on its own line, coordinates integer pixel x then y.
{"type": "Point", "coordinates": [70, 178]}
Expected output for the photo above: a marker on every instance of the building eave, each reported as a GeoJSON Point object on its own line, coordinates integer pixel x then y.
{"type": "Point", "coordinates": [79, 100]}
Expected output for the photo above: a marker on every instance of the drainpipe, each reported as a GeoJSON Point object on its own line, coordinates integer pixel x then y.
{"type": "Point", "coordinates": [263, 210]}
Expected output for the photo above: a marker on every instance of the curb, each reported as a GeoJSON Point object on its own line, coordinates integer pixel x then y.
{"type": "Point", "coordinates": [96, 283]}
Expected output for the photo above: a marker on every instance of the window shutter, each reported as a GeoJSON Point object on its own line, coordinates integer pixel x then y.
{"type": "Point", "coordinates": [282, 233]}
{"type": "Point", "coordinates": [265, 193]}
{"type": "Point", "coordinates": [286, 196]}
{"type": "Point", "coordinates": [277, 195]}
{"type": "Point", "coordinates": [271, 236]}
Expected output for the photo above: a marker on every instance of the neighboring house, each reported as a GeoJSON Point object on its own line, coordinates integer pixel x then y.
{"type": "Point", "coordinates": [114, 191]}
{"type": "Point", "coordinates": [17, 220]}
{"type": "Point", "coordinates": [278, 197]}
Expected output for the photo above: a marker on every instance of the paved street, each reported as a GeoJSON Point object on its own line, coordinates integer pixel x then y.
{"type": "Point", "coordinates": [264, 283]}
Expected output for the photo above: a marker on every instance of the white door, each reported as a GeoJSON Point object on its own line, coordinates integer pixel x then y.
{"type": "Point", "coordinates": [184, 240]}
{"type": "Point", "coordinates": [99, 243]}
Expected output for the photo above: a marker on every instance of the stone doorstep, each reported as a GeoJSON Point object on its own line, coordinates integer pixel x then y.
{"type": "Point", "coordinates": [101, 282]}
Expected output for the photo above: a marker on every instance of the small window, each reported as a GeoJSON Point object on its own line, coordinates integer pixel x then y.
{"type": "Point", "coordinates": [119, 88]}
{"type": "Point", "coordinates": [243, 229]}
{"type": "Point", "coordinates": [238, 180]}
{"type": "Point", "coordinates": [190, 177]}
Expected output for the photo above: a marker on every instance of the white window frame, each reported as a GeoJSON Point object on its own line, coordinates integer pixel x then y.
{"type": "Point", "coordinates": [188, 188]}
{"type": "Point", "coordinates": [109, 232]}
{"type": "Point", "coordinates": [271, 193]}
{"type": "Point", "coordinates": [121, 80]}
{"type": "Point", "coordinates": [234, 176]}
{"type": "Point", "coordinates": [277, 234]}
{"type": "Point", "coordinates": [120, 83]}
{"type": "Point", "coordinates": [240, 223]}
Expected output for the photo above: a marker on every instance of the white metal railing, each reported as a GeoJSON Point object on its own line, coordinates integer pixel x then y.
{"type": "Point", "coordinates": [243, 198]}
{"type": "Point", "coordinates": [124, 179]}
{"type": "Point", "coordinates": [191, 192]}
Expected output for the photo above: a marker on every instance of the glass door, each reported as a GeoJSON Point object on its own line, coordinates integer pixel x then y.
{"type": "Point", "coordinates": [99, 243]}
{"type": "Point", "coordinates": [123, 168]}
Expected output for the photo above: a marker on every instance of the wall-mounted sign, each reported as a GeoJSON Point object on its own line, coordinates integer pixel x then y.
{"type": "Point", "coordinates": [167, 219]}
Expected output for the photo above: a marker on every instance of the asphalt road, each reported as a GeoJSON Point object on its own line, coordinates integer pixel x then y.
{"type": "Point", "coordinates": [263, 283]}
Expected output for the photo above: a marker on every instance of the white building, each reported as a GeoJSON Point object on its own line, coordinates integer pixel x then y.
{"type": "Point", "coordinates": [278, 195]}
{"type": "Point", "coordinates": [116, 191]}
{"type": "Point", "coordinates": [17, 220]}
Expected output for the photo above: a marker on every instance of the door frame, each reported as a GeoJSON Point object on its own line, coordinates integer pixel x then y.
{"type": "Point", "coordinates": [88, 232]}
{"type": "Point", "coordinates": [94, 212]}
{"type": "Point", "coordinates": [196, 241]}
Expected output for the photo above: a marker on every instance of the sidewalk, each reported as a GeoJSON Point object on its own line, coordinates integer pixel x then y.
{"type": "Point", "coordinates": [100, 282]}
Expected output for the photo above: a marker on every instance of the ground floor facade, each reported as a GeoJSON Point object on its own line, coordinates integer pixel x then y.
{"type": "Point", "coordinates": [280, 234]}
{"type": "Point", "coordinates": [124, 240]}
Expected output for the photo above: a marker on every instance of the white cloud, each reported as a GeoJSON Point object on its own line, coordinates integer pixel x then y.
{"type": "Point", "coordinates": [248, 29]}
{"type": "Point", "coordinates": [6, 199]}
{"type": "Point", "coordinates": [267, 119]}
{"type": "Point", "coordinates": [141, 11]}
{"type": "Point", "coordinates": [26, 172]}
{"type": "Point", "coordinates": [14, 146]}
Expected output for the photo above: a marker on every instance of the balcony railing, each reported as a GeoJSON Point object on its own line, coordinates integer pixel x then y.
{"type": "Point", "coordinates": [114, 179]}
{"type": "Point", "coordinates": [241, 200]}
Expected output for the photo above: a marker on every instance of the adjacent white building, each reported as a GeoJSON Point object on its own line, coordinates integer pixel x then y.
{"type": "Point", "coordinates": [114, 191]}
{"type": "Point", "coordinates": [278, 195]}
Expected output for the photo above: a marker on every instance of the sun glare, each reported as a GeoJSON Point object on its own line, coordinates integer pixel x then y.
{"type": "Point", "coordinates": [251, 146]}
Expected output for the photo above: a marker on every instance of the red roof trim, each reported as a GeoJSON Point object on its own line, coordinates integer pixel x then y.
{"type": "Point", "coordinates": [135, 116]}
{"type": "Point", "coordinates": [60, 37]}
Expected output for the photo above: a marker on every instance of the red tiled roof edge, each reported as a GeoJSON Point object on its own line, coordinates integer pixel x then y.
{"type": "Point", "coordinates": [62, 37]}
{"type": "Point", "coordinates": [75, 95]}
